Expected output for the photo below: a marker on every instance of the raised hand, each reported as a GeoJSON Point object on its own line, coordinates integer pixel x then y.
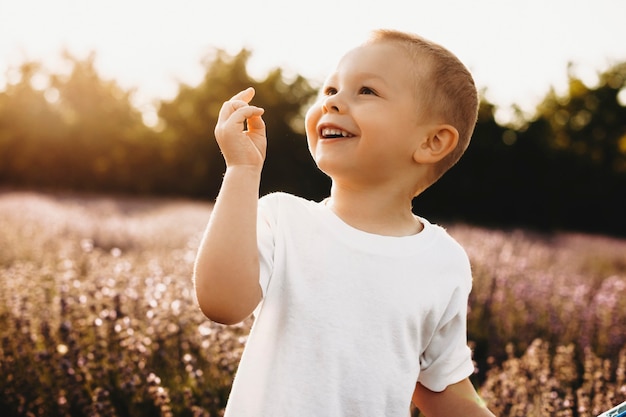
{"type": "Point", "coordinates": [226, 273]}
{"type": "Point", "coordinates": [239, 146]}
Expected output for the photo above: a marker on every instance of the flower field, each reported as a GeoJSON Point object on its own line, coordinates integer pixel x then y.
{"type": "Point", "coordinates": [98, 316]}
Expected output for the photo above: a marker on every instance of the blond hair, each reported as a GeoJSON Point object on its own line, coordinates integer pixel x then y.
{"type": "Point", "coordinates": [451, 92]}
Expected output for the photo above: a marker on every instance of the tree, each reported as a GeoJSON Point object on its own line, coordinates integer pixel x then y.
{"type": "Point", "coordinates": [29, 129]}
{"type": "Point", "coordinates": [104, 134]}
{"type": "Point", "coordinates": [564, 168]}
{"type": "Point", "coordinates": [75, 131]}
{"type": "Point", "coordinates": [590, 122]}
{"type": "Point", "coordinates": [585, 134]}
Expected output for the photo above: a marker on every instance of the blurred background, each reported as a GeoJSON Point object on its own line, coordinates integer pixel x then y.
{"type": "Point", "coordinates": [109, 167]}
{"type": "Point", "coordinates": [122, 98]}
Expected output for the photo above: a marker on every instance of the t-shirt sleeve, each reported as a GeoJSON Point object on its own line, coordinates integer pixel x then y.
{"type": "Point", "coordinates": [447, 359]}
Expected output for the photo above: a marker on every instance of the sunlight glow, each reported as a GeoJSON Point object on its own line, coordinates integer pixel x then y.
{"type": "Point", "coordinates": [13, 76]}
{"type": "Point", "coordinates": [154, 46]}
{"type": "Point", "coordinates": [39, 82]}
{"type": "Point", "coordinates": [51, 95]}
{"type": "Point", "coordinates": [150, 117]}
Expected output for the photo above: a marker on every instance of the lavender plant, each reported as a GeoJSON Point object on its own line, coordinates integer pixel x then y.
{"type": "Point", "coordinates": [98, 316]}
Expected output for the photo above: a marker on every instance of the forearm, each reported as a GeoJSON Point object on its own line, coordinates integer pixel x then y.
{"type": "Point", "coordinates": [457, 399]}
{"type": "Point", "coordinates": [227, 265]}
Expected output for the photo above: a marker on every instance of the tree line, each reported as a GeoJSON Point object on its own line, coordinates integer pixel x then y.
{"type": "Point", "coordinates": [563, 167]}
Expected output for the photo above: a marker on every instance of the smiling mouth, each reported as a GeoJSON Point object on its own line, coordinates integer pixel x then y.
{"type": "Point", "coordinates": [334, 133]}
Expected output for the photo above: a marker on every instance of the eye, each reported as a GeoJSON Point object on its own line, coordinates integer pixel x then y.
{"type": "Point", "coordinates": [329, 91]}
{"type": "Point", "coordinates": [367, 91]}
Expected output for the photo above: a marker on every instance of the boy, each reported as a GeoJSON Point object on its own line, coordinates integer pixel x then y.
{"type": "Point", "coordinates": [360, 306]}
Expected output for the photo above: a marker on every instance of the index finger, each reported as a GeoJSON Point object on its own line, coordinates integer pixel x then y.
{"type": "Point", "coordinates": [237, 101]}
{"type": "Point", "coordinates": [245, 95]}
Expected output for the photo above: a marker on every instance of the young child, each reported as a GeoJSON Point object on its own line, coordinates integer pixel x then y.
{"type": "Point", "coordinates": [360, 306]}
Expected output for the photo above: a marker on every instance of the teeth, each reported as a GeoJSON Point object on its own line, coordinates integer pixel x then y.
{"type": "Point", "coordinates": [326, 132]}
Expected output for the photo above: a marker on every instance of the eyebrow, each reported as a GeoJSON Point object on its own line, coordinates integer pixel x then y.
{"type": "Point", "coordinates": [360, 76]}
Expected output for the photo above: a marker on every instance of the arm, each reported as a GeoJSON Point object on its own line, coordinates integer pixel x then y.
{"type": "Point", "coordinates": [457, 399]}
{"type": "Point", "coordinates": [226, 272]}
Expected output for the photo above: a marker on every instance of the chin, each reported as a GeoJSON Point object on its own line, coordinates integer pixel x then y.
{"type": "Point", "coordinates": [323, 166]}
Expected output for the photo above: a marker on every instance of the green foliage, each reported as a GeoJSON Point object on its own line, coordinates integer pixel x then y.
{"type": "Point", "coordinates": [98, 314]}
{"type": "Point", "coordinates": [590, 123]}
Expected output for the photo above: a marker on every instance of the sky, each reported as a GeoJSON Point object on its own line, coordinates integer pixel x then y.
{"type": "Point", "coordinates": [517, 50]}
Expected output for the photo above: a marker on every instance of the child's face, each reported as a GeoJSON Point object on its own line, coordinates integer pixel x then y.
{"type": "Point", "coordinates": [365, 125]}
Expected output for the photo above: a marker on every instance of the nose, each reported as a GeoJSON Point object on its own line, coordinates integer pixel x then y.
{"type": "Point", "coordinates": [333, 104]}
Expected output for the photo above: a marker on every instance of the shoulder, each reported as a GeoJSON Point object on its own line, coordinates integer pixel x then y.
{"type": "Point", "coordinates": [281, 205]}
{"type": "Point", "coordinates": [282, 199]}
{"type": "Point", "coordinates": [442, 238]}
{"type": "Point", "coordinates": [447, 251]}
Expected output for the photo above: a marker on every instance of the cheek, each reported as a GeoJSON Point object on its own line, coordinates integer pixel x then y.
{"type": "Point", "coordinates": [311, 119]}
{"type": "Point", "coordinates": [310, 124]}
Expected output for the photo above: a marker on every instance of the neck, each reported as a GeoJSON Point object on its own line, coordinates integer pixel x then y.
{"type": "Point", "coordinates": [379, 211]}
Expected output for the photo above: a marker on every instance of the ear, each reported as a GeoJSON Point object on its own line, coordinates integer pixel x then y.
{"type": "Point", "coordinates": [439, 142]}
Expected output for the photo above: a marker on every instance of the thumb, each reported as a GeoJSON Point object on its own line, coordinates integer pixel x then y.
{"type": "Point", "coordinates": [256, 122]}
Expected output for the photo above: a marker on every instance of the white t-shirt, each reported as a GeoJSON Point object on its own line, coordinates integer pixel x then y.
{"type": "Point", "coordinates": [350, 321]}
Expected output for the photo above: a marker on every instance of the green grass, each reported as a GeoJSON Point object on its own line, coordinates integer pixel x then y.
{"type": "Point", "coordinates": [98, 316]}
